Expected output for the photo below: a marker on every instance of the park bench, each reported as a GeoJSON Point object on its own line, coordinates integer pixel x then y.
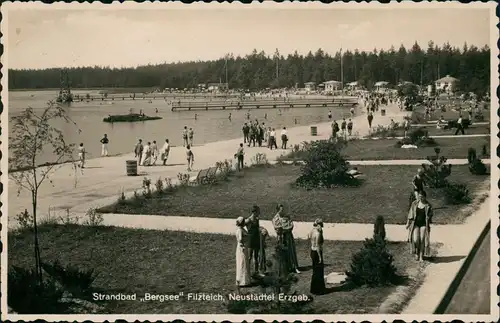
{"type": "Point", "coordinates": [204, 176]}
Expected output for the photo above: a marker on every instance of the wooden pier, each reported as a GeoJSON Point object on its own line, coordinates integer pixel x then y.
{"type": "Point", "coordinates": [264, 104]}
{"type": "Point", "coordinates": [153, 96]}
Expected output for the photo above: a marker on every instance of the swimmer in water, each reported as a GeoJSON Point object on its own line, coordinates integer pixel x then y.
{"type": "Point", "coordinates": [156, 110]}
{"type": "Point", "coordinates": [229, 116]}
{"type": "Point", "coordinates": [195, 116]}
{"type": "Point", "coordinates": [329, 114]}
{"type": "Point", "coordinates": [265, 116]}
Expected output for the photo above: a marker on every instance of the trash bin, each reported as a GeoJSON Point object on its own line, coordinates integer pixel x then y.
{"type": "Point", "coordinates": [382, 112]}
{"type": "Point", "coordinates": [314, 131]}
{"type": "Point", "coordinates": [131, 167]}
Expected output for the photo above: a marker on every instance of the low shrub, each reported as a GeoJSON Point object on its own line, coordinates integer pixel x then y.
{"type": "Point", "coordinates": [146, 188]}
{"type": "Point", "coordinates": [122, 198]}
{"type": "Point", "coordinates": [260, 159]}
{"type": "Point", "coordinates": [26, 295]}
{"type": "Point", "coordinates": [159, 186]}
{"type": "Point", "coordinates": [24, 220]}
{"type": "Point", "coordinates": [382, 132]}
{"type": "Point", "coordinates": [76, 281]}
{"type": "Point", "coordinates": [324, 166]}
{"type": "Point", "coordinates": [436, 173]}
{"type": "Point", "coordinates": [484, 151]}
{"type": "Point", "coordinates": [477, 167]}
{"type": "Point", "coordinates": [471, 155]}
{"type": "Point", "coordinates": [372, 265]}
{"type": "Point", "coordinates": [93, 217]}
{"type": "Point", "coordinates": [183, 179]}
{"type": "Point", "coordinates": [456, 193]}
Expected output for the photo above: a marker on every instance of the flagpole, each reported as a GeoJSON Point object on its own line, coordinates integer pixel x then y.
{"type": "Point", "coordinates": [341, 72]}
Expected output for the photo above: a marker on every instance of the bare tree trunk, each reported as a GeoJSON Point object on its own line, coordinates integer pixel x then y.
{"type": "Point", "coordinates": [38, 261]}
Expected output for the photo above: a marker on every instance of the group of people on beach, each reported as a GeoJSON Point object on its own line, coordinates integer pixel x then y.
{"type": "Point", "coordinates": [251, 239]}
{"type": "Point", "coordinates": [148, 154]}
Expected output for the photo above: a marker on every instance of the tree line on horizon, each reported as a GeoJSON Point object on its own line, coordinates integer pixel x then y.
{"type": "Point", "coordinates": [470, 64]}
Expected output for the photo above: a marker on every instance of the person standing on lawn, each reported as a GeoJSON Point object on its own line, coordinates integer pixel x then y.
{"type": "Point", "coordinates": [139, 148]}
{"type": "Point", "coordinates": [460, 126]}
{"type": "Point", "coordinates": [418, 225]}
{"type": "Point", "coordinates": [165, 151]}
{"type": "Point", "coordinates": [370, 119]}
{"type": "Point", "coordinates": [283, 225]}
{"type": "Point", "coordinates": [104, 142]}
{"type": "Point", "coordinates": [240, 154]}
{"type": "Point", "coordinates": [242, 254]}
{"type": "Point", "coordinates": [318, 266]}
{"type": "Point", "coordinates": [190, 158]}
{"type": "Point", "coordinates": [246, 133]}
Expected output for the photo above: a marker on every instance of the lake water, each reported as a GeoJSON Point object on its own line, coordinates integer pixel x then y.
{"type": "Point", "coordinates": [210, 126]}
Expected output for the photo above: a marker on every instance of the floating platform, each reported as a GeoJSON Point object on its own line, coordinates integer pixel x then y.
{"type": "Point", "coordinates": [132, 117]}
{"type": "Point", "coordinates": [263, 104]}
{"type": "Point", "coordinates": [157, 96]}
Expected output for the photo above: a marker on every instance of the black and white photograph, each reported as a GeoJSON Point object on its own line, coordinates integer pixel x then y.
{"type": "Point", "coordinates": [229, 161]}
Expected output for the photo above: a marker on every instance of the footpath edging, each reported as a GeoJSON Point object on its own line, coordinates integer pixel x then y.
{"type": "Point", "coordinates": [450, 292]}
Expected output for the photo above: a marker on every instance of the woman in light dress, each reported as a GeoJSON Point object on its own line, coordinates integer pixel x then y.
{"type": "Point", "coordinates": [242, 254]}
{"type": "Point", "coordinates": [165, 151]}
{"type": "Point", "coordinates": [81, 156]}
{"type": "Point", "coordinates": [283, 225]}
{"type": "Point", "coordinates": [146, 155]}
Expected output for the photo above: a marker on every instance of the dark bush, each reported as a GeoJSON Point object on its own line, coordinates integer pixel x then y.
{"type": "Point", "coordinates": [456, 193]}
{"type": "Point", "coordinates": [379, 228]}
{"type": "Point", "coordinates": [404, 141]}
{"type": "Point", "coordinates": [373, 265]}
{"type": "Point", "coordinates": [471, 155]}
{"type": "Point", "coordinates": [436, 173]}
{"type": "Point", "coordinates": [477, 167]}
{"type": "Point", "coordinates": [25, 295]}
{"type": "Point", "coordinates": [484, 151]}
{"type": "Point", "coordinates": [417, 134]}
{"type": "Point", "coordinates": [324, 166]}
{"type": "Point", "coordinates": [76, 281]}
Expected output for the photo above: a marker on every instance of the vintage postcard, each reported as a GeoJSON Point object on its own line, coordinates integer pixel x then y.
{"type": "Point", "coordinates": [276, 161]}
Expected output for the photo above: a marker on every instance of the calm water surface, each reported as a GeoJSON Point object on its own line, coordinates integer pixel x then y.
{"type": "Point", "coordinates": [209, 127]}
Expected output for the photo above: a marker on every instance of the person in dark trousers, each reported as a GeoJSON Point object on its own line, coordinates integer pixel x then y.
{"type": "Point", "coordinates": [272, 139]}
{"type": "Point", "coordinates": [253, 226]}
{"type": "Point", "coordinates": [246, 132]}
{"type": "Point", "coordinates": [138, 151]}
{"type": "Point", "coordinates": [343, 128]}
{"type": "Point", "coordinates": [335, 129]}
{"type": "Point", "coordinates": [460, 126]}
{"type": "Point", "coordinates": [240, 154]}
{"type": "Point", "coordinates": [253, 135]}
{"type": "Point", "coordinates": [370, 119]}
{"type": "Point", "coordinates": [418, 182]}
{"type": "Point", "coordinates": [260, 135]}
{"type": "Point", "coordinates": [318, 266]}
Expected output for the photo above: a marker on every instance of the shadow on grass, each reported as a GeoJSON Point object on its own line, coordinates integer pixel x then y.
{"type": "Point", "coordinates": [445, 259]}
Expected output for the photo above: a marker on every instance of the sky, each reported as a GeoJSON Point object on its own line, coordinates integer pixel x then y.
{"type": "Point", "coordinates": [43, 38]}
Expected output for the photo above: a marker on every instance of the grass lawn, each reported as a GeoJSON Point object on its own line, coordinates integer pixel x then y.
{"type": "Point", "coordinates": [384, 192]}
{"type": "Point", "coordinates": [384, 149]}
{"type": "Point", "coordinates": [165, 262]}
{"type": "Point", "coordinates": [450, 114]}
{"type": "Point", "coordinates": [433, 131]}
